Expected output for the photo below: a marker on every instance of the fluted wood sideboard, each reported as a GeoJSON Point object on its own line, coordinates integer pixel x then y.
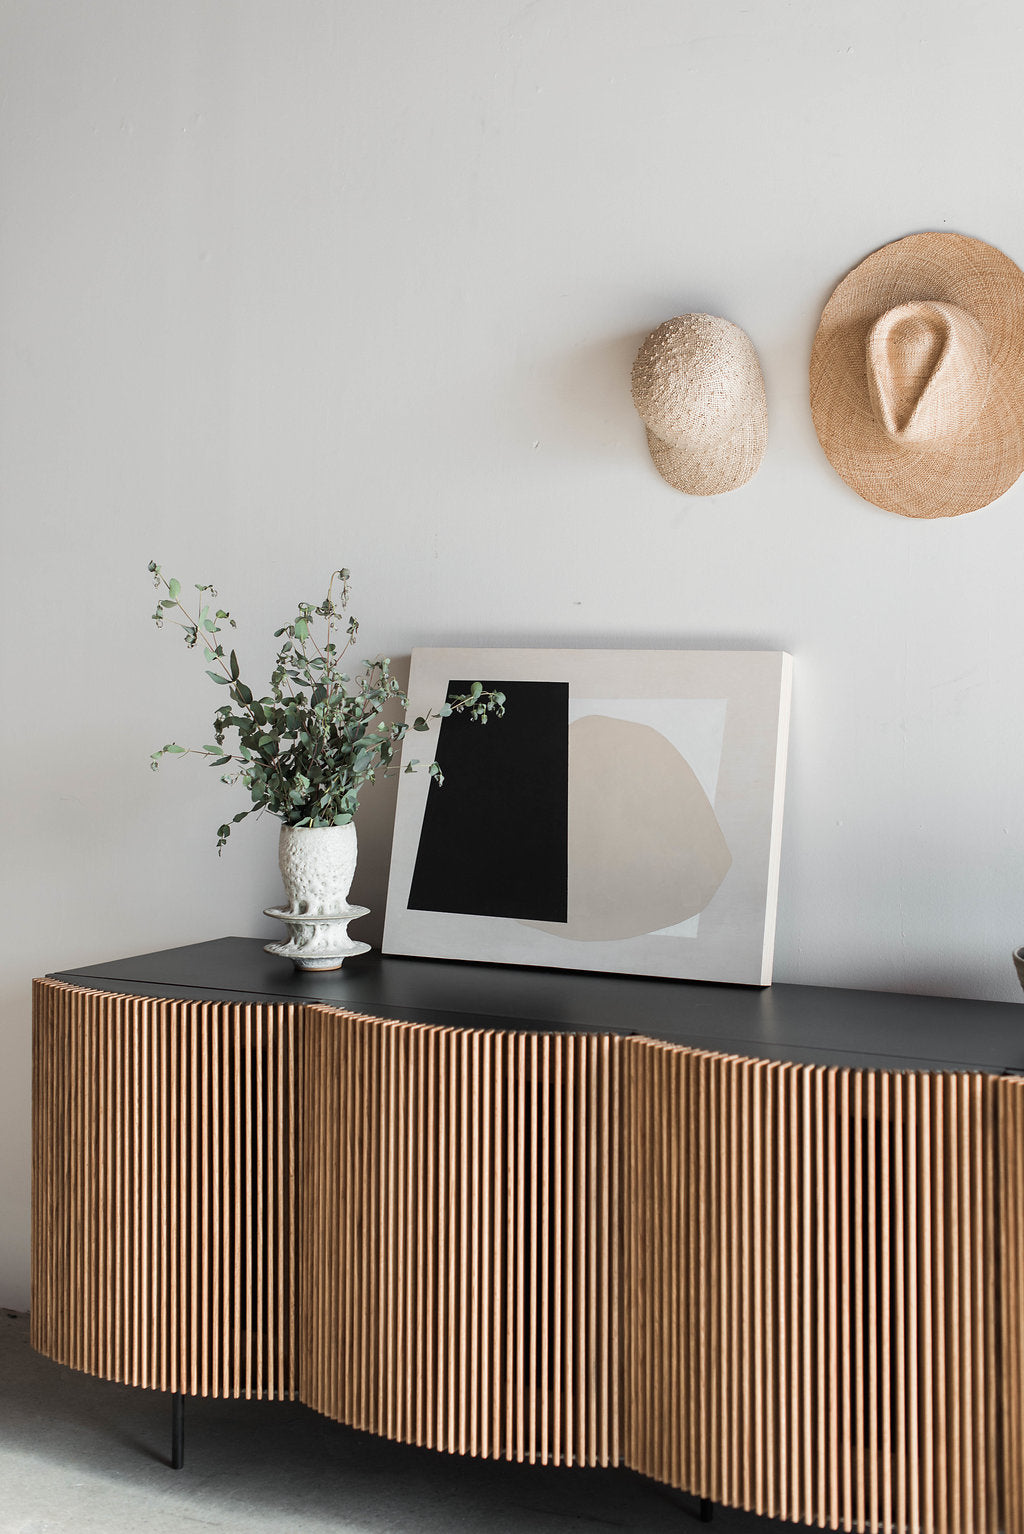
{"type": "Point", "coordinates": [764, 1246]}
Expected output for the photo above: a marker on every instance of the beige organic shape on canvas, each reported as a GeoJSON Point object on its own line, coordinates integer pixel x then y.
{"type": "Point", "coordinates": [645, 847]}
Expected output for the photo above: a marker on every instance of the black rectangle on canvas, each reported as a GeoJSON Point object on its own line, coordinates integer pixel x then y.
{"type": "Point", "coordinates": [495, 834]}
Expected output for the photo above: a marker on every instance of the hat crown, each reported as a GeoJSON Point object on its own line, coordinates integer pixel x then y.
{"type": "Point", "coordinates": [928, 372]}
{"type": "Point", "coordinates": [698, 388]}
{"type": "Point", "coordinates": [693, 375]}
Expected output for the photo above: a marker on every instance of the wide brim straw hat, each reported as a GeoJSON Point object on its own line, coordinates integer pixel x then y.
{"type": "Point", "coordinates": [917, 376]}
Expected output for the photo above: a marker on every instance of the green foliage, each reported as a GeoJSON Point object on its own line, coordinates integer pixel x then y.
{"type": "Point", "coordinates": [306, 749]}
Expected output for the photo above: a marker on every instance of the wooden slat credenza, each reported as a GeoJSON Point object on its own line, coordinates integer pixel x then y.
{"type": "Point", "coordinates": [763, 1246]}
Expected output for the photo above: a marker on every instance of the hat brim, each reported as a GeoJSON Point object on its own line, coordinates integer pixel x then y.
{"type": "Point", "coordinates": [714, 471]}
{"type": "Point", "coordinates": [948, 478]}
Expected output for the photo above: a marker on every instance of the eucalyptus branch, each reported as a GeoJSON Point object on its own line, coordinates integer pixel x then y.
{"type": "Point", "coordinates": [306, 750]}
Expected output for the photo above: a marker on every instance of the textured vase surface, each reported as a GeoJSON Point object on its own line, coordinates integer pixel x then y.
{"type": "Point", "coordinates": [317, 866]}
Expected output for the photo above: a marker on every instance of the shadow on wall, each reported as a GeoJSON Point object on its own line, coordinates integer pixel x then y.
{"type": "Point", "coordinates": [585, 397]}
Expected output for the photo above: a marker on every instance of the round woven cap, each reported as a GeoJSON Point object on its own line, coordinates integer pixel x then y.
{"type": "Point", "coordinates": [698, 388]}
{"type": "Point", "coordinates": [917, 376]}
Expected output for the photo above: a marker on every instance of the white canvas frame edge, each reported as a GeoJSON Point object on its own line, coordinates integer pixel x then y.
{"type": "Point", "coordinates": [778, 809]}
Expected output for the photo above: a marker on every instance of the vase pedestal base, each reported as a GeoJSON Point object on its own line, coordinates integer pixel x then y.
{"type": "Point", "coordinates": [317, 941]}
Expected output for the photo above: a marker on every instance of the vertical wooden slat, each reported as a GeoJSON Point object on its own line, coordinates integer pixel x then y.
{"type": "Point", "coordinates": [484, 1199]}
{"type": "Point", "coordinates": [831, 1362]}
{"type": "Point", "coordinates": [499, 1318]}
{"type": "Point", "coordinates": [1009, 1254]}
{"type": "Point", "coordinates": [614, 1238]}
{"type": "Point", "coordinates": [261, 1197]}
{"type": "Point", "coordinates": [843, 1357]}
{"type": "Point", "coordinates": [947, 1309]}
{"type": "Point", "coordinates": [448, 1253]}
{"type": "Point", "coordinates": [632, 1245]}
{"type": "Point", "coordinates": [547, 1132]}
{"type": "Point", "coordinates": [887, 1247]}
{"type": "Point", "coordinates": [786, 1281]}
{"type": "Point", "coordinates": [959, 1332]}
{"type": "Point", "coordinates": [556, 1258]}
{"type": "Point", "coordinates": [206, 1233]}
{"type": "Point", "coordinates": [756, 1409]}
{"type": "Point", "coordinates": [227, 1203]}
{"type": "Point", "coordinates": [329, 1060]}
{"type": "Point", "coordinates": [730, 1277]}
{"type": "Point", "coordinates": [460, 1375]}
{"type": "Point", "coordinates": [674, 1280]}
{"type": "Point", "coordinates": [696, 1241]}
{"type": "Point", "coordinates": [606, 1165]}
{"type": "Point", "coordinates": [925, 1333]}
{"type": "Point", "coordinates": [967, 1320]}
{"type": "Point", "coordinates": [904, 1356]}
{"type": "Point", "coordinates": [273, 1221]}
{"type": "Point", "coordinates": [985, 1290]}
{"type": "Point", "coordinates": [856, 1175]}
{"type": "Point", "coordinates": [936, 1126]}
{"type": "Point", "coordinates": [123, 1291]}
{"type": "Point", "coordinates": [590, 1371]}
{"type": "Point", "coordinates": [73, 1109]}
{"type": "Point", "coordinates": [532, 1240]}
{"type": "Point", "coordinates": [1003, 1251]}
{"type": "Point", "coordinates": [581, 1305]}
{"type": "Point", "coordinates": [798, 1327]}
{"type": "Point", "coordinates": [654, 1361]}
{"type": "Point", "coordinates": [430, 1242]}
{"type": "Point", "coordinates": [766, 1362]}
{"type": "Point", "coordinates": [871, 1218]}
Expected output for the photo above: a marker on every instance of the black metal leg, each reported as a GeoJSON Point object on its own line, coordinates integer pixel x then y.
{"type": "Point", "coordinates": [177, 1431]}
{"type": "Point", "coordinates": [706, 1507]}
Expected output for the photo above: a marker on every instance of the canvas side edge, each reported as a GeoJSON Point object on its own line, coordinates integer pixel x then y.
{"type": "Point", "coordinates": [778, 807]}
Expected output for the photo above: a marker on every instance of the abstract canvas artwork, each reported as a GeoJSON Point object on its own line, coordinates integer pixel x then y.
{"type": "Point", "coordinates": [624, 815]}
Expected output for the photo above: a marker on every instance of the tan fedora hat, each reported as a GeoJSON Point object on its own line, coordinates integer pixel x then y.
{"type": "Point", "coordinates": [698, 387]}
{"type": "Point", "coordinates": [917, 376]}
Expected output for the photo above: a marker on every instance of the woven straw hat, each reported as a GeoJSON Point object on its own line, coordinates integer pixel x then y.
{"type": "Point", "coordinates": [917, 376]}
{"type": "Point", "coordinates": [698, 387]}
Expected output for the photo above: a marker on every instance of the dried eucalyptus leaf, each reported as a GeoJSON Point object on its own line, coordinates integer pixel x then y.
{"type": "Point", "coordinates": [307, 750]}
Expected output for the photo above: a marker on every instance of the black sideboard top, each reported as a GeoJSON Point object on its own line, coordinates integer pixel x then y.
{"type": "Point", "coordinates": [814, 1024]}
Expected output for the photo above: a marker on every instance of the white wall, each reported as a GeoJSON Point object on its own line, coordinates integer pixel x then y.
{"type": "Point", "coordinates": [291, 283]}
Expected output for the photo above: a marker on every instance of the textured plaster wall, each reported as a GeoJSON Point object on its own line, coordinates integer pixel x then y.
{"type": "Point", "coordinates": [290, 283]}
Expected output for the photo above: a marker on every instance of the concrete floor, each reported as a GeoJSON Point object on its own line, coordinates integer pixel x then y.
{"type": "Point", "coordinates": [80, 1455]}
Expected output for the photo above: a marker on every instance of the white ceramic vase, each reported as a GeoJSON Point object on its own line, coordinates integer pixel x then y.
{"type": "Point", "coordinates": [317, 865]}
